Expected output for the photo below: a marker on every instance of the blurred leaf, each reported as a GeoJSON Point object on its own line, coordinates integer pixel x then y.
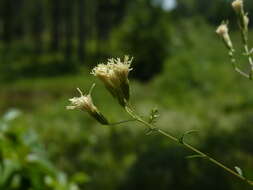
{"type": "Point", "coordinates": [239, 170]}
{"type": "Point", "coordinates": [11, 114]}
{"type": "Point", "coordinates": [80, 178]}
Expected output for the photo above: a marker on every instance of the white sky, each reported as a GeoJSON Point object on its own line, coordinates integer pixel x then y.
{"type": "Point", "coordinates": [168, 4]}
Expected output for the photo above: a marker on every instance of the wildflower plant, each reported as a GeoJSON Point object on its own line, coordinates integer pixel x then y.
{"type": "Point", "coordinates": [223, 32]}
{"type": "Point", "coordinates": [114, 75]}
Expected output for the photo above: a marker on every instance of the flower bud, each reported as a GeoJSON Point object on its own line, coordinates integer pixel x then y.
{"type": "Point", "coordinates": [84, 102]}
{"type": "Point", "coordinates": [238, 6]}
{"type": "Point", "coordinates": [222, 31]}
{"type": "Point", "coordinates": [245, 22]}
{"type": "Point", "coordinates": [114, 75]}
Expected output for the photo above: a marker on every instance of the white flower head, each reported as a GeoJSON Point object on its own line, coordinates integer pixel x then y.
{"type": "Point", "coordinates": [222, 31]}
{"type": "Point", "coordinates": [238, 6]}
{"type": "Point", "coordinates": [114, 75]}
{"type": "Point", "coordinates": [84, 102]}
{"type": "Point", "coordinates": [121, 67]}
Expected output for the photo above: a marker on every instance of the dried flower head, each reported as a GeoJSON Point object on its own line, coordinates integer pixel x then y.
{"type": "Point", "coordinates": [114, 75]}
{"type": "Point", "coordinates": [222, 31]}
{"type": "Point", "coordinates": [84, 102]}
{"type": "Point", "coordinates": [238, 6]}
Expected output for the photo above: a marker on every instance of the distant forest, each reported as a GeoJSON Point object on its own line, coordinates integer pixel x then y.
{"type": "Point", "coordinates": [76, 32]}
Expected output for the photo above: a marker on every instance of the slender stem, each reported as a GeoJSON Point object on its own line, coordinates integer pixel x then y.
{"type": "Point", "coordinates": [120, 122]}
{"type": "Point", "coordinates": [244, 34]}
{"type": "Point", "coordinates": [247, 52]}
{"type": "Point", "coordinates": [234, 64]}
{"type": "Point", "coordinates": [186, 145]}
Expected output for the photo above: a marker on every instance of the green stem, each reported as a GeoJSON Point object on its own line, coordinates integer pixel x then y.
{"type": "Point", "coordinates": [247, 52]}
{"type": "Point", "coordinates": [120, 122]}
{"type": "Point", "coordinates": [186, 145]}
{"type": "Point", "coordinates": [234, 64]}
{"type": "Point", "coordinates": [244, 35]}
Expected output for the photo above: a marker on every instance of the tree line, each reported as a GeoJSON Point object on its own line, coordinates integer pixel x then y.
{"type": "Point", "coordinates": [59, 25]}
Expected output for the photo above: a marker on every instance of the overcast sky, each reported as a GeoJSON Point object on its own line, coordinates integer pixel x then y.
{"type": "Point", "coordinates": [169, 4]}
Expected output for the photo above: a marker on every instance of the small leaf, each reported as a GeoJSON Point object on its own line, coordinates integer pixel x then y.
{"type": "Point", "coordinates": [153, 115]}
{"type": "Point", "coordinates": [181, 139]}
{"type": "Point", "coordinates": [239, 170]}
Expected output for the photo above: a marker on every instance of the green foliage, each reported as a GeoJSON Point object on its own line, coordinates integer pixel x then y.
{"type": "Point", "coordinates": [22, 62]}
{"type": "Point", "coordinates": [141, 33]}
{"type": "Point", "coordinates": [213, 13]}
{"type": "Point", "coordinates": [23, 161]}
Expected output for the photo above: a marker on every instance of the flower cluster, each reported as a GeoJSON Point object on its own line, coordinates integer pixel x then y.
{"type": "Point", "coordinates": [114, 75]}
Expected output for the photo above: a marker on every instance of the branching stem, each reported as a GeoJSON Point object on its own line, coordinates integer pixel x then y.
{"type": "Point", "coordinates": [186, 145]}
{"type": "Point", "coordinates": [234, 64]}
{"type": "Point", "coordinates": [247, 52]}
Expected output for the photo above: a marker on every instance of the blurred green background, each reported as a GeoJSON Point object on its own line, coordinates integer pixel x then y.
{"type": "Point", "coordinates": [47, 49]}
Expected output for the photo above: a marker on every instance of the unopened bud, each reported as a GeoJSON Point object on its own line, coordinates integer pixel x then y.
{"type": "Point", "coordinates": [84, 102]}
{"type": "Point", "coordinates": [222, 31]}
